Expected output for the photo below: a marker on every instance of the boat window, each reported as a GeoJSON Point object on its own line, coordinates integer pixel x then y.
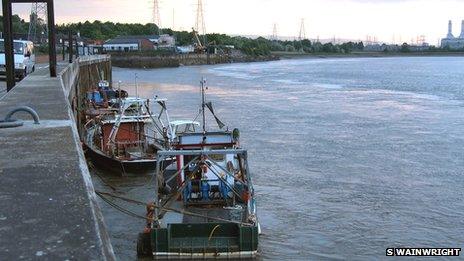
{"type": "Point", "coordinates": [217, 157]}
{"type": "Point", "coordinates": [178, 129]}
{"type": "Point", "coordinates": [191, 127]}
{"type": "Point", "coordinates": [181, 128]}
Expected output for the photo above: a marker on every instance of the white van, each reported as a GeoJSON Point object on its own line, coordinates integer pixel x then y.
{"type": "Point", "coordinates": [24, 58]}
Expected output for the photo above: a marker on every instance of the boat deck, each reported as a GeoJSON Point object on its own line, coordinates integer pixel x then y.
{"type": "Point", "coordinates": [233, 214]}
{"type": "Point", "coordinates": [203, 228]}
{"type": "Point", "coordinates": [204, 244]}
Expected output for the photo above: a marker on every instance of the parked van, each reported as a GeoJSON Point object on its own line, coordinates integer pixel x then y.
{"type": "Point", "coordinates": [24, 58]}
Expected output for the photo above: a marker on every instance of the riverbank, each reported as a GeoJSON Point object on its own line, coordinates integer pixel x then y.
{"type": "Point", "coordinates": [147, 61]}
{"type": "Point", "coordinates": [298, 55]}
{"type": "Point", "coordinates": [137, 60]}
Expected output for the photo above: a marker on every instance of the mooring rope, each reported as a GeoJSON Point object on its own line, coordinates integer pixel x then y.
{"type": "Point", "coordinates": [102, 195]}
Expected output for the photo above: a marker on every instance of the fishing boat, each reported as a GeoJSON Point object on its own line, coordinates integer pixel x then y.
{"type": "Point", "coordinates": [121, 133]}
{"type": "Point", "coordinates": [205, 203]}
{"type": "Point", "coordinates": [125, 141]}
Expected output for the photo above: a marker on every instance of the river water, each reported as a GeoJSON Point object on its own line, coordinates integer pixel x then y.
{"type": "Point", "coordinates": [349, 156]}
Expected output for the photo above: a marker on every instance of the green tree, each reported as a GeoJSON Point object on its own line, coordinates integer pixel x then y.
{"type": "Point", "coordinates": [405, 48]}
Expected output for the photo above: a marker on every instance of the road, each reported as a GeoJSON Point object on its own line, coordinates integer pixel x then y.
{"type": "Point", "coordinates": [39, 66]}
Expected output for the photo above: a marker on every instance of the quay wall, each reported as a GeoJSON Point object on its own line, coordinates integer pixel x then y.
{"type": "Point", "coordinates": [81, 76]}
{"type": "Point", "coordinates": [48, 206]}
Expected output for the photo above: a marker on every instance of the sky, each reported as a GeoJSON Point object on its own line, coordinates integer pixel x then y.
{"type": "Point", "coordinates": [387, 20]}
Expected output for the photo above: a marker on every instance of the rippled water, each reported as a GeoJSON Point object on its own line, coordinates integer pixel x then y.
{"type": "Point", "coordinates": [349, 156]}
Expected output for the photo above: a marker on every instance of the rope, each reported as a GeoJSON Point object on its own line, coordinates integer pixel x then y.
{"type": "Point", "coordinates": [212, 231]}
{"type": "Point", "coordinates": [123, 169]}
{"type": "Point", "coordinates": [153, 120]}
{"type": "Point", "coordinates": [100, 177]}
{"type": "Point", "coordinates": [183, 212]}
{"type": "Point", "coordinates": [199, 112]}
{"type": "Point", "coordinates": [121, 209]}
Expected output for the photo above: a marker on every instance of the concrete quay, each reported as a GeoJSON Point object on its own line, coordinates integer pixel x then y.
{"type": "Point", "coordinates": [48, 206]}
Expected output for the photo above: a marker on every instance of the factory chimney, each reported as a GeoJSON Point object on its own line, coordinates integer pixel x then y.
{"type": "Point", "coordinates": [450, 30]}
{"type": "Point", "coordinates": [462, 30]}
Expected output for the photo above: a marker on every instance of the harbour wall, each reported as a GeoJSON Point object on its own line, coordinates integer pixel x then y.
{"type": "Point", "coordinates": [48, 206]}
{"type": "Point", "coordinates": [82, 76]}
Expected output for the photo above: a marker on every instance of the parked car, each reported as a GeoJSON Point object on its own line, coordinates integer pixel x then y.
{"type": "Point", "coordinates": [24, 58]}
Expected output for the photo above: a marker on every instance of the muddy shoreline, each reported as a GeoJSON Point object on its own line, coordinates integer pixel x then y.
{"type": "Point", "coordinates": [172, 61]}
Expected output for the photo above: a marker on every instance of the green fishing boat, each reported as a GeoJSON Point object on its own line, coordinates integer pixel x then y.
{"type": "Point", "coordinates": [205, 206]}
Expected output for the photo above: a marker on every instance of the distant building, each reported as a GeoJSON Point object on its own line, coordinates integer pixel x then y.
{"type": "Point", "coordinates": [128, 44]}
{"type": "Point", "coordinates": [381, 48]}
{"type": "Point", "coordinates": [451, 42]}
{"type": "Point", "coordinates": [395, 48]}
{"type": "Point", "coordinates": [419, 48]}
{"type": "Point", "coordinates": [164, 40]}
{"type": "Point", "coordinates": [185, 49]}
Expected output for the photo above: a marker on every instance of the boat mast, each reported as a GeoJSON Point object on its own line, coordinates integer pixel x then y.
{"type": "Point", "coordinates": [203, 103]}
{"type": "Point", "coordinates": [137, 94]}
{"type": "Point", "coordinates": [138, 114]}
{"type": "Point", "coordinates": [119, 97]}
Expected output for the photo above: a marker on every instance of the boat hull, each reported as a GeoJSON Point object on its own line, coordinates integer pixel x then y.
{"type": "Point", "coordinates": [200, 240]}
{"type": "Point", "coordinates": [106, 163]}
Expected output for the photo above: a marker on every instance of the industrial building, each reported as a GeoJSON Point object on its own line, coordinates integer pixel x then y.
{"type": "Point", "coordinates": [451, 42]}
{"type": "Point", "coordinates": [127, 43]}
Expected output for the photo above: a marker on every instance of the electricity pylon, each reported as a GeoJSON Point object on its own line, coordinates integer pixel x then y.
{"type": "Point", "coordinates": [200, 21]}
{"type": "Point", "coordinates": [302, 35]}
{"type": "Point", "coordinates": [156, 16]}
{"type": "Point", "coordinates": [38, 22]}
{"type": "Point", "coordinates": [274, 33]}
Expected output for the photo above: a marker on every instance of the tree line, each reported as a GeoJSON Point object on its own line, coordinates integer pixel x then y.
{"type": "Point", "coordinates": [19, 25]}
{"type": "Point", "coordinates": [98, 30]}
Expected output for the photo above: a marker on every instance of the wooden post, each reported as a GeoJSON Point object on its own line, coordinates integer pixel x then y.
{"type": "Point", "coordinates": [70, 46]}
{"type": "Point", "coordinates": [51, 38]}
{"type": "Point", "coordinates": [63, 47]}
{"type": "Point", "coordinates": [8, 42]}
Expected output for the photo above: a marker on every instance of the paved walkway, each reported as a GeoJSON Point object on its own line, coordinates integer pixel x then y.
{"type": "Point", "coordinates": [2, 89]}
{"type": "Point", "coordinates": [48, 208]}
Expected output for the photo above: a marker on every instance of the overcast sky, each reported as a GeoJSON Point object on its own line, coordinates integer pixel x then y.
{"type": "Point", "coordinates": [353, 19]}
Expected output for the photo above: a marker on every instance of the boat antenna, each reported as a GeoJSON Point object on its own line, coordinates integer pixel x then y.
{"type": "Point", "coordinates": [136, 86]}
{"type": "Point", "coordinates": [138, 110]}
{"type": "Point", "coordinates": [119, 97]}
{"type": "Point", "coordinates": [203, 103]}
